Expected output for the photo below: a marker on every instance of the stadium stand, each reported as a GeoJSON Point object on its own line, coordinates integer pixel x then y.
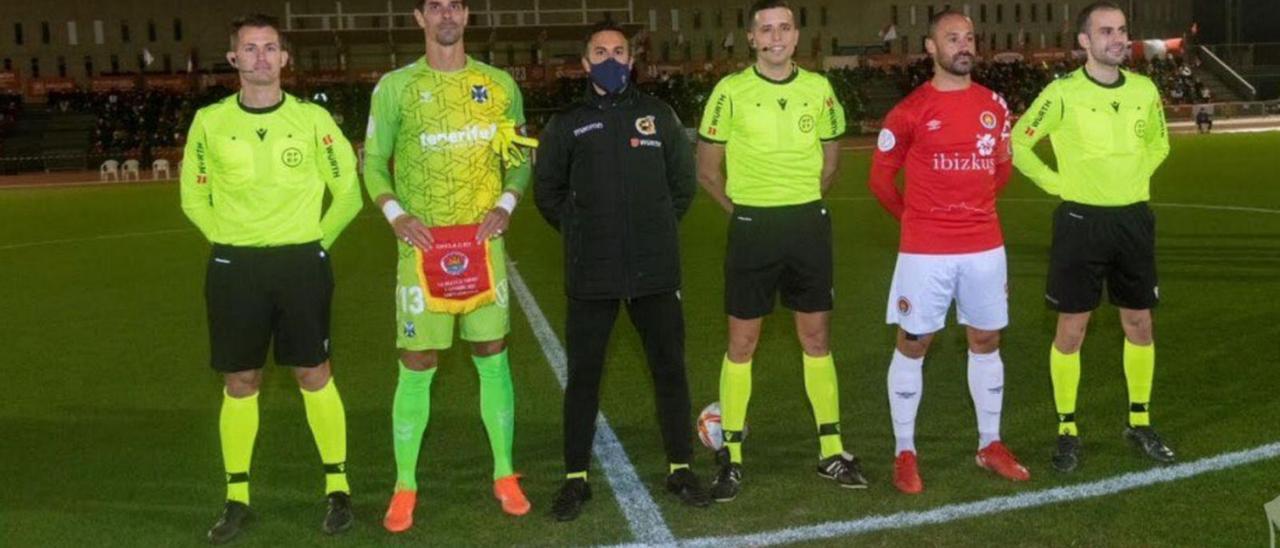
{"type": "Point", "coordinates": [81, 129]}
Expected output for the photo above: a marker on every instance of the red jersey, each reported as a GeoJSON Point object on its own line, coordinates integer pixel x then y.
{"type": "Point", "coordinates": [955, 145]}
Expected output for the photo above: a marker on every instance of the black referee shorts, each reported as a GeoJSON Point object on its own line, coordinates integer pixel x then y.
{"type": "Point", "coordinates": [778, 250]}
{"type": "Point", "coordinates": [257, 294]}
{"type": "Point", "coordinates": [1093, 244]}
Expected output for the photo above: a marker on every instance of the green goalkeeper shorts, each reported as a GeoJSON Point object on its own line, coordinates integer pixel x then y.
{"type": "Point", "coordinates": [420, 329]}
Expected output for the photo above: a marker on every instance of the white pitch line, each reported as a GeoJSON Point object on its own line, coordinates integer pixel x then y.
{"type": "Point", "coordinates": [995, 505]}
{"type": "Point", "coordinates": [95, 238]}
{"type": "Point", "coordinates": [643, 517]}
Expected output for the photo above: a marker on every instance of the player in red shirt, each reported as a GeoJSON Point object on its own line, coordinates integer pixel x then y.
{"type": "Point", "coordinates": [953, 137]}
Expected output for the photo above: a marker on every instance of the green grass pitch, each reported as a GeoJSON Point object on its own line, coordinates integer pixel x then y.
{"type": "Point", "coordinates": [108, 411]}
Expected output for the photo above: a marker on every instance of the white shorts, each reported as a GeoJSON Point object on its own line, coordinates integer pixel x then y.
{"type": "Point", "coordinates": [924, 285]}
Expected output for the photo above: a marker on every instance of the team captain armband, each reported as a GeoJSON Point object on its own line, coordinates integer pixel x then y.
{"type": "Point", "coordinates": [507, 142]}
{"type": "Point", "coordinates": [456, 274]}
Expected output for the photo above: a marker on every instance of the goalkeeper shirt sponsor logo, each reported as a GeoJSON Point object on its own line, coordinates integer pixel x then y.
{"type": "Point", "coordinates": [470, 135]}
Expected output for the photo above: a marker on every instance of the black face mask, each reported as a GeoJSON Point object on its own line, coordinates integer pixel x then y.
{"type": "Point", "coordinates": [610, 75]}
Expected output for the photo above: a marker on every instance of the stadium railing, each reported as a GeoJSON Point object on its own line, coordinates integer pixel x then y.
{"type": "Point", "coordinates": [1227, 74]}
{"type": "Point", "coordinates": [1223, 111]}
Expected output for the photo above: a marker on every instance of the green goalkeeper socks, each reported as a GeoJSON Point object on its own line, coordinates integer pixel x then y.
{"type": "Point", "coordinates": [410, 412]}
{"type": "Point", "coordinates": [497, 408]}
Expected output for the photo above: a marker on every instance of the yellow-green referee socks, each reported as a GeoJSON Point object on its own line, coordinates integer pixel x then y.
{"type": "Point", "coordinates": [824, 395]}
{"type": "Point", "coordinates": [497, 408]}
{"type": "Point", "coordinates": [410, 412]}
{"type": "Point", "coordinates": [328, 423]}
{"type": "Point", "coordinates": [1139, 370]}
{"type": "Point", "coordinates": [1064, 369]}
{"type": "Point", "coordinates": [238, 428]}
{"type": "Point", "coordinates": [735, 393]}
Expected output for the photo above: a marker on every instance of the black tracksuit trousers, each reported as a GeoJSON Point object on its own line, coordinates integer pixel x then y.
{"type": "Point", "coordinates": [659, 319]}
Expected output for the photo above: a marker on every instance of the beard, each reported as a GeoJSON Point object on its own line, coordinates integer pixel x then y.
{"type": "Point", "coordinates": [1104, 56]}
{"type": "Point", "coordinates": [960, 64]}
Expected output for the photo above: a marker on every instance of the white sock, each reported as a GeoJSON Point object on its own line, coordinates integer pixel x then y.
{"type": "Point", "coordinates": [906, 384]}
{"type": "Point", "coordinates": [986, 386]}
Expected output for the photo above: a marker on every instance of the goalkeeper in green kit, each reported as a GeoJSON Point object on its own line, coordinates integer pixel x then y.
{"type": "Point", "coordinates": [1109, 136]}
{"type": "Point", "coordinates": [448, 125]}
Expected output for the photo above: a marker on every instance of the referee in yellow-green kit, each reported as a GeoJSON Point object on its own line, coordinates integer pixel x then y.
{"type": "Point", "coordinates": [767, 152]}
{"type": "Point", "coordinates": [1109, 136]}
{"type": "Point", "coordinates": [257, 166]}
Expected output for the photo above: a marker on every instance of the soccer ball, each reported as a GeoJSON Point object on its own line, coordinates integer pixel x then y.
{"type": "Point", "coordinates": [709, 429]}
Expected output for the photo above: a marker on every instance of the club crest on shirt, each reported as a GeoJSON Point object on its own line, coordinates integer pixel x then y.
{"type": "Point", "coordinates": [479, 93]}
{"type": "Point", "coordinates": [904, 306]}
{"type": "Point", "coordinates": [646, 125]}
{"type": "Point", "coordinates": [987, 119]}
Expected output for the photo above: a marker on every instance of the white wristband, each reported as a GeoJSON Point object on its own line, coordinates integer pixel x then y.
{"type": "Point", "coordinates": [507, 202]}
{"type": "Point", "coordinates": [392, 210]}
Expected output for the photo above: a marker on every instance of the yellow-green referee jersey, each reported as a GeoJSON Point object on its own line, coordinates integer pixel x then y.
{"type": "Point", "coordinates": [256, 177]}
{"type": "Point", "coordinates": [773, 133]}
{"type": "Point", "coordinates": [1108, 138]}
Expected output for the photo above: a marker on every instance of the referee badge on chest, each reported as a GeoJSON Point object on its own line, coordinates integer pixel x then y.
{"type": "Point", "coordinates": [646, 125]}
{"type": "Point", "coordinates": [806, 123]}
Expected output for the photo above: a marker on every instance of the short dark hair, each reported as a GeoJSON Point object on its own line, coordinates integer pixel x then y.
{"type": "Point", "coordinates": [761, 5]}
{"type": "Point", "coordinates": [255, 20]}
{"type": "Point", "coordinates": [938, 17]}
{"type": "Point", "coordinates": [604, 25]}
{"type": "Point", "coordinates": [1082, 20]}
{"type": "Point", "coordinates": [422, 4]}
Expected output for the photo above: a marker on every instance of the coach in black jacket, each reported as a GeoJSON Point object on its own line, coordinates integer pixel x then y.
{"type": "Point", "coordinates": [615, 173]}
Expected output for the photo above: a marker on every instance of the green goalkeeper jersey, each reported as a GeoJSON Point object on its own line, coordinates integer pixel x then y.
{"type": "Point", "coordinates": [438, 128]}
{"type": "Point", "coordinates": [256, 177]}
{"type": "Point", "coordinates": [1108, 138]}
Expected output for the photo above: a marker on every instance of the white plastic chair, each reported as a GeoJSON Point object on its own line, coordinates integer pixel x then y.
{"type": "Point", "coordinates": [108, 169]}
{"type": "Point", "coordinates": [158, 166]}
{"type": "Point", "coordinates": [130, 167]}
